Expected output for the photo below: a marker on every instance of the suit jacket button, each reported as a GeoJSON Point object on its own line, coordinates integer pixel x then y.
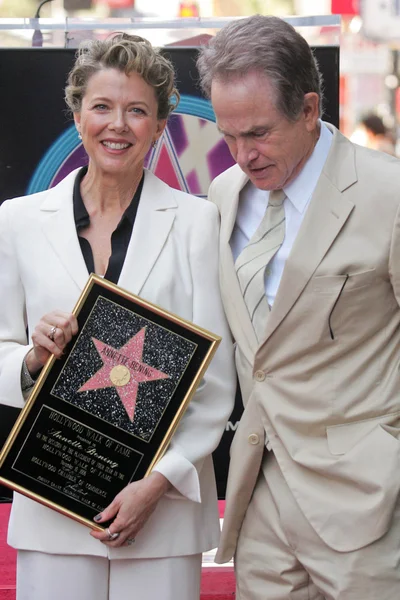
{"type": "Point", "coordinates": [253, 439]}
{"type": "Point", "coordinates": [259, 375]}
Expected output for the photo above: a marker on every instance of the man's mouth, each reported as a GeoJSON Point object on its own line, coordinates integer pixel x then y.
{"type": "Point", "coordinates": [258, 170]}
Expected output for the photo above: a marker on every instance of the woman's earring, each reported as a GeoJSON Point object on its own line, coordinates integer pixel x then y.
{"type": "Point", "coordinates": [79, 135]}
{"type": "Point", "coordinates": [154, 144]}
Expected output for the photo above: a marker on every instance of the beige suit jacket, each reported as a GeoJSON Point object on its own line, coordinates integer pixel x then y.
{"type": "Point", "coordinates": [330, 407]}
{"type": "Point", "coordinates": [172, 260]}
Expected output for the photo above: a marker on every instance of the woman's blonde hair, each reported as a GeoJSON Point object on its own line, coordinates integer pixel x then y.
{"type": "Point", "coordinates": [126, 53]}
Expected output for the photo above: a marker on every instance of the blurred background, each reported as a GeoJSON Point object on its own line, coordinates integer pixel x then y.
{"type": "Point", "coordinates": [368, 35]}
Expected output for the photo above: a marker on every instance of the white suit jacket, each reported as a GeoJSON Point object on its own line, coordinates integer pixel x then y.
{"type": "Point", "coordinates": [329, 404]}
{"type": "Point", "coordinates": [172, 260]}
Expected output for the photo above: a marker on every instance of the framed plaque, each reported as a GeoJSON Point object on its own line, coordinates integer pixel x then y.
{"type": "Point", "coordinates": [103, 415]}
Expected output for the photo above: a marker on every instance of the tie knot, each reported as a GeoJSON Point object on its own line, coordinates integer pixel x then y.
{"type": "Point", "coordinates": [276, 197]}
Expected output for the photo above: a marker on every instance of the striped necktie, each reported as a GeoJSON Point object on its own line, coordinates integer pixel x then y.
{"type": "Point", "coordinates": [252, 262]}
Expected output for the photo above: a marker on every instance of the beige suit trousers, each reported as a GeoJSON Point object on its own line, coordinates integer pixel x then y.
{"type": "Point", "coordinates": [280, 557]}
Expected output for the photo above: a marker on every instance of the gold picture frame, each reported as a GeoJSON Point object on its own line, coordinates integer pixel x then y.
{"type": "Point", "coordinates": [104, 414]}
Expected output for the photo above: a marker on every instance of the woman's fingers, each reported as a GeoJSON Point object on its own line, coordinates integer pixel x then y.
{"type": "Point", "coordinates": [130, 510]}
{"type": "Point", "coordinates": [110, 512]}
{"type": "Point", "coordinates": [53, 332]}
{"type": "Point", "coordinates": [59, 327]}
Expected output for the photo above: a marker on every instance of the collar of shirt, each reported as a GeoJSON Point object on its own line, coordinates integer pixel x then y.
{"type": "Point", "coordinates": [300, 190]}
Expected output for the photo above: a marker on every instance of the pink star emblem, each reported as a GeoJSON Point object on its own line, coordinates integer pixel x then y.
{"type": "Point", "coordinates": [123, 369]}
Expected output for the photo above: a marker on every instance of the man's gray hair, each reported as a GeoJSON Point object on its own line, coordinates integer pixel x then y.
{"type": "Point", "coordinates": [266, 45]}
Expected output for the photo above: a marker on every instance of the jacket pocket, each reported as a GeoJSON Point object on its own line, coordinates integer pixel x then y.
{"type": "Point", "coordinates": [330, 284]}
{"type": "Point", "coordinates": [342, 438]}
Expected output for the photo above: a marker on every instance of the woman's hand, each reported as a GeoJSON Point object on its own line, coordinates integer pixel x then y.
{"type": "Point", "coordinates": [130, 510]}
{"type": "Point", "coordinates": [50, 336]}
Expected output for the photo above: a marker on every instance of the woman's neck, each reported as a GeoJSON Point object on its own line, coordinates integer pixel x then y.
{"type": "Point", "coordinates": [104, 192]}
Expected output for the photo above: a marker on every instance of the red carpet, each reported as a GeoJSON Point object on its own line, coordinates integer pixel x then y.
{"type": "Point", "coordinates": [217, 582]}
{"type": "Point", "coordinates": [7, 558]}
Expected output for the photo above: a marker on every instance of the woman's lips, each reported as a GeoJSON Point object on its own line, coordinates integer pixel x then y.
{"type": "Point", "coordinates": [116, 145]}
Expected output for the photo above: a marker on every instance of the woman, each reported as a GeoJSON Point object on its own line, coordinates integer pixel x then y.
{"type": "Point", "coordinates": [120, 221]}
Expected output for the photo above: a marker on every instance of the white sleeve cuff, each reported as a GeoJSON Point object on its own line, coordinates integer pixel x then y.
{"type": "Point", "coordinates": [181, 474]}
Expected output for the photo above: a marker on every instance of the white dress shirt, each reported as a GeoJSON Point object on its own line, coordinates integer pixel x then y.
{"type": "Point", "coordinates": [253, 203]}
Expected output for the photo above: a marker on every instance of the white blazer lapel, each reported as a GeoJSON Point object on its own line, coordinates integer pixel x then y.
{"type": "Point", "coordinates": [153, 223]}
{"type": "Point", "coordinates": [58, 226]}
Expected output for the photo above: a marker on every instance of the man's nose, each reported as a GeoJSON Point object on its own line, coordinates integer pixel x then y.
{"type": "Point", "coordinates": [246, 152]}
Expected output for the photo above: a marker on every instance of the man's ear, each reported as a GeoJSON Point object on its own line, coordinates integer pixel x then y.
{"type": "Point", "coordinates": [311, 110]}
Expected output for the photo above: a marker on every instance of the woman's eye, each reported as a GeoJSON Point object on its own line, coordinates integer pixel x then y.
{"type": "Point", "coordinates": [137, 111]}
{"type": "Point", "coordinates": [101, 107]}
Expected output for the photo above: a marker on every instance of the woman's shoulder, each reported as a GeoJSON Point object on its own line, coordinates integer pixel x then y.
{"type": "Point", "coordinates": [192, 203]}
{"type": "Point", "coordinates": [30, 203]}
{"type": "Point", "coordinates": [27, 201]}
{"type": "Point", "coordinates": [196, 211]}
{"type": "Point", "coordinates": [188, 204]}
{"type": "Point", "coordinates": [22, 210]}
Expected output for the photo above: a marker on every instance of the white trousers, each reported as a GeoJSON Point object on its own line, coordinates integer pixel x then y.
{"type": "Point", "coordinates": [43, 576]}
{"type": "Point", "coordinates": [280, 557]}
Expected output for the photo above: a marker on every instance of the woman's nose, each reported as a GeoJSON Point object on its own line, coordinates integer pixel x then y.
{"type": "Point", "coordinates": [118, 121]}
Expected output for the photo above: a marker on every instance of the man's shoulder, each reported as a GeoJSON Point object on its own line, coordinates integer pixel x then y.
{"type": "Point", "coordinates": [232, 175]}
{"type": "Point", "coordinates": [376, 159]}
{"type": "Point", "coordinates": [366, 172]}
{"type": "Point", "coordinates": [378, 171]}
{"type": "Point", "coordinates": [225, 185]}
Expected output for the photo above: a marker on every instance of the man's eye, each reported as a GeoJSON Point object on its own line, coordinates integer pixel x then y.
{"type": "Point", "coordinates": [259, 134]}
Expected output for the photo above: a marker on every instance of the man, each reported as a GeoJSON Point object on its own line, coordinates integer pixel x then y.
{"type": "Point", "coordinates": [310, 275]}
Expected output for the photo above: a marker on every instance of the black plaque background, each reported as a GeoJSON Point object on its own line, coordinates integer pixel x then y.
{"type": "Point", "coordinates": [44, 398]}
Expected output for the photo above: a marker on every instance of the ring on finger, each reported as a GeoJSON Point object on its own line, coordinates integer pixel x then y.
{"type": "Point", "coordinates": [130, 541]}
{"type": "Point", "coordinates": [51, 333]}
{"type": "Point", "coordinates": [112, 536]}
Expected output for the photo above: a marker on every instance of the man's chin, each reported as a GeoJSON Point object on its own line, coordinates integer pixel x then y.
{"type": "Point", "coordinates": [262, 183]}
{"type": "Point", "coordinates": [261, 178]}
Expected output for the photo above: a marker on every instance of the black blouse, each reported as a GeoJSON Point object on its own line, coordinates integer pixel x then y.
{"type": "Point", "coordinates": [120, 237]}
